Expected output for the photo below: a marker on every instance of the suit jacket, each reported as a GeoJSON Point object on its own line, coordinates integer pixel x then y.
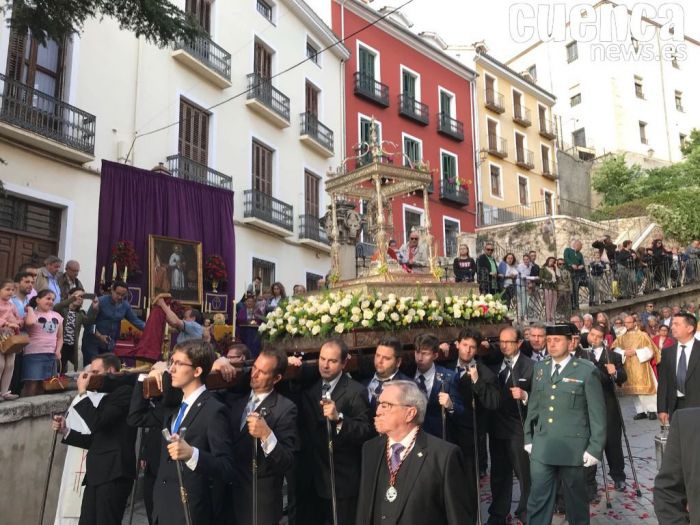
{"type": "Point", "coordinates": [505, 422]}
{"type": "Point", "coordinates": [483, 273]}
{"type": "Point", "coordinates": [208, 429]}
{"type": "Point", "coordinates": [110, 444]}
{"type": "Point", "coordinates": [350, 398]}
{"type": "Point", "coordinates": [565, 416]}
{"type": "Point", "coordinates": [282, 419]}
{"type": "Point", "coordinates": [678, 480]}
{"type": "Point", "coordinates": [607, 381]}
{"type": "Point", "coordinates": [430, 484]}
{"type": "Point", "coordinates": [373, 399]}
{"type": "Point", "coordinates": [433, 415]}
{"type": "Point", "coordinates": [666, 391]}
{"type": "Point", "coordinates": [462, 390]}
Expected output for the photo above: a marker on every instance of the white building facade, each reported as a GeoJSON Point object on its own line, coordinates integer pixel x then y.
{"type": "Point", "coordinates": [257, 108]}
{"type": "Point", "coordinates": [619, 94]}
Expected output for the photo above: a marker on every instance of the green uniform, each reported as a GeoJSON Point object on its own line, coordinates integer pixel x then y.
{"type": "Point", "coordinates": [565, 418]}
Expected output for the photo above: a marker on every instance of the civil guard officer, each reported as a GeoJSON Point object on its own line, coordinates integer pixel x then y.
{"type": "Point", "coordinates": [564, 429]}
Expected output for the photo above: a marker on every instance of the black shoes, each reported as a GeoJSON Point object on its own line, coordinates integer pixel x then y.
{"type": "Point", "coordinates": [641, 415]}
{"type": "Point", "coordinates": [652, 416]}
{"type": "Point", "coordinates": [620, 486]}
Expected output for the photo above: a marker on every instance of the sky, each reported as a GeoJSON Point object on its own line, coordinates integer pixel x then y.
{"type": "Point", "coordinates": [463, 22]}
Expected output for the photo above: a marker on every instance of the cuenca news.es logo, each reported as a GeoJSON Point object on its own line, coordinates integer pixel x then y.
{"type": "Point", "coordinates": [613, 32]}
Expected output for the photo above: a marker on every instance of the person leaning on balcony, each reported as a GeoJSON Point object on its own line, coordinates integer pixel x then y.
{"type": "Point", "coordinates": [464, 266]}
{"type": "Point", "coordinates": [487, 270]}
{"type": "Point", "coordinates": [548, 278]}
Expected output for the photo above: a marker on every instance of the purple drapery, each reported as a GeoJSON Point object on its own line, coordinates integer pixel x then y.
{"type": "Point", "coordinates": [136, 203]}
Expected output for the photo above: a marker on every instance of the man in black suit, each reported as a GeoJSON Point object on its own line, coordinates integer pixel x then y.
{"type": "Point", "coordinates": [336, 398]}
{"type": "Point", "coordinates": [487, 270]}
{"type": "Point", "coordinates": [472, 387]}
{"type": "Point", "coordinates": [408, 476]}
{"type": "Point", "coordinates": [677, 387]}
{"type": "Point", "coordinates": [205, 450]}
{"type": "Point", "coordinates": [110, 465]}
{"type": "Point", "coordinates": [265, 414]}
{"type": "Point", "coordinates": [611, 373]}
{"type": "Point", "coordinates": [431, 380]}
{"type": "Point", "coordinates": [387, 360]}
{"type": "Point", "coordinates": [506, 439]}
{"type": "Point", "coordinates": [677, 485]}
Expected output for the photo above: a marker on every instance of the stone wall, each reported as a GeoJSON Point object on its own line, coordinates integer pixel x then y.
{"type": "Point", "coordinates": [25, 448]}
{"type": "Point", "coordinates": [548, 236]}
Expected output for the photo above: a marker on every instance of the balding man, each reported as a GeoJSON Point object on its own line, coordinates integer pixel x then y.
{"type": "Point", "coordinates": [408, 476]}
{"type": "Point", "coordinates": [69, 278]}
{"type": "Point", "coordinates": [637, 351]}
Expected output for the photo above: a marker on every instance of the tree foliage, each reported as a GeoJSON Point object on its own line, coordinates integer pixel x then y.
{"type": "Point", "coordinates": [670, 194]}
{"type": "Point", "coordinates": [159, 21]}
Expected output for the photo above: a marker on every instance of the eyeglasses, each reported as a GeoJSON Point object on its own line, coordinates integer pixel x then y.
{"type": "Point", "coordinates": [178, 364]}
{"type": "Point", "coordinates": [488, 250]}
{"type": "Point", "coordinates": [386, 405]}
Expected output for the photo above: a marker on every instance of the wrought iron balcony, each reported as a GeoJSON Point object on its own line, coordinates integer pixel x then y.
{"type": "Point", "coordinates": [494, 101]}
{"type": "Point", "coordinates": [497, 146]}
{"type": "Point", "coordinates": [260, 90]}
{"type": "Point", "coordinates": [413, 109]}
{"type": "Point", "coordinates": [259, 205]}
{"type": "Point", "coordinates": [524, 158]}
{"type": "Point", "coordinates": [367, 87]}
{"type": "Point", "coordinates": [321, 135]}
{"type": "Point", "coordinates": [547, 129]}
{"type": "Point", "coordinates": [27, 108]}
{"type": "Point", "coordinates": [549, 171]}
{"type": "Point", "coordinates": [521, 115]}
{"type": "Point", "coordinates": [310, 228]}
{"type": "Point", "coordinates": [453, 192]}
{"type": "Point", "coordinates": [450, 127]}
{"type": "Point", "coordinates": [209, 54]}
{"type": "Point", "coordinates": [184, 168]}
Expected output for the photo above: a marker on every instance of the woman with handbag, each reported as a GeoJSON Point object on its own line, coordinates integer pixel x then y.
{"type": "Point", "coordinates": [45, 330]}
{"type": "Point", "coordinates": [10, 323]}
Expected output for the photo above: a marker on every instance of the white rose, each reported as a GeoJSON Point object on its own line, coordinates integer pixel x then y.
{"type": "Point", "coordinates": [355, 319]}
{"type": "Point", "coordinates": [356, 310]}
{"type": "Point", "coordinates": [280, 322]}
{"type": "Point", "coordinates": [386, 308]}
{"type": "Point", "coordinates": [392, 297]}
{"type": "Point", "coordinates": [381, 316]}
{"type": "Point", "coordinates": [408, 319]}
{"type": "Point", "coordinates": [395, 317]}
{"type": "Point", "coordinates": [334, 309]}
{"type": "Point", "coordinates": [339, 328]}
{"type": "Point", "coordinates": [365, 304]}
{"type": "Point", "coordinates": [368, 314]}
{"type": "Point", "coordinates": [448, 300]}
{"type": "Point", "coordinates": [346, 302]}
{"type": "Point", "coordinates": [421, 313]}
{"type": "Point", "coordinates": [273, 332]}
{"type": "Point", "coordinates": [262, 327]}
{"type": "Point", "coordinates": [365, 323]}
{"type": "Point", "coordinates": [325, 319]}
{"type": "Point", "coordinates": [378, 303]}
{"type": "Point", "coordinates": [316, 330]}
{"type": "Point", "coordinates": [310, 324]}
{"type": "Point", "coordinates": [457, 313]}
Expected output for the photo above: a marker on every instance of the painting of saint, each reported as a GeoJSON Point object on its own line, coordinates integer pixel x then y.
{"type": "Point", "coordinates": [175, 268]}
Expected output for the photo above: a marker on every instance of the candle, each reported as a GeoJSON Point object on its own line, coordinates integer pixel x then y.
{"type": "Point", "coordinates": [144, 301]}
{"type": "Point", "coordinates": [114, 272]}
{"type": "Point", "coordinates": [102, 275]}
{"type": "Point", "coordinates": [126, 272]}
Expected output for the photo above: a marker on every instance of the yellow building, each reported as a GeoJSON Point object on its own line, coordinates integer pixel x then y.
{"type": "Point", "coordinates": [517, 144]}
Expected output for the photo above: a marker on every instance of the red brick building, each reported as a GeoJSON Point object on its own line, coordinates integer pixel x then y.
{"type": "Point", "coordinates": [423, 101]}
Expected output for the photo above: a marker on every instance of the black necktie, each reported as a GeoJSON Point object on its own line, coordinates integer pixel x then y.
{"type": "Point", "coordinates": [503, 375]}
{"type": "Point", "coordinates": [421, 384]}
{"type": "Point", "coordinates": [681, 371]}
{"type": "Point", "coordinates": [380, 387]}
{"type": "Point", "coordinates": [555, 375]}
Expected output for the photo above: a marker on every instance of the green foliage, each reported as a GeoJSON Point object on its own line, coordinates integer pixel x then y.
{"type": "Point", "coordinates": [617, 181]}
{"type": "Point", "coordinates": [159, 21]}
{"type": "Point", "coordinates": [680, 220]}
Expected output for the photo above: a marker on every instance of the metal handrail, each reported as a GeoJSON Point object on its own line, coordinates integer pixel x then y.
{"type": "Point", "coordinates": [410, 107]}
{"type": "Point", "coordinates": [209, 53]}
{"type": "Point", "coordinates": [367, 86]}
{"type": "Point", "coordinates": [311, 126]}
{"type": "Point", "coordinates": [261, 88]}
{"type": "Point", "coordinates": [450, 126]}
{"type": "Point", "coordinates": [185, 168]}
{"type": "Point", "coordinates": [265, 207]}
{"type": "Point", "coordinates": [310, 227]}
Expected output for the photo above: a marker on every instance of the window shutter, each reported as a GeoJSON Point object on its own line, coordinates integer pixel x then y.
{"type": "Point", "coordinates": [194, 133]}
{"type": "Point", "coordinates": [15, 55]}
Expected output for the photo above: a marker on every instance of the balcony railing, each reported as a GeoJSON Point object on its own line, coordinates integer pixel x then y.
{"type": "Point", "coordinates": [521, 115]}
{"type": "Point", "coordinates": [27, 108]}
{"type": "Point", "coordinates": [549, 171]}
{"type": "Point", "coordinates": [261, 89]}
{"type": "Point", "coordinates": [259, 205]}
{"type": "Point", "coordinates": [524, 158]}
{"type": "Point", "coordinates": [183, 168]}
{"type": "Point", "coordinates": [310, 227]}
{"type": "Point", "coordinates": [453, 192]}
{"type": "Point", "coordinates": [311, 126]}
{"type": "Point", "coordinates": [494, 101]}
{"type": "Point", "coordinates": [413, 109]}
{"type": "Point", "coordinates": [450, 127]}
{"type": "Point", "coordinates": [367, 87]}
{"type": "Point", "coordinates": [547, 129]}
{"type": "Point", "coordinates": [497, 146]}
{"type": "Point", "coordinates": [209, 53]}
{"type": "Point", "coordinates": [490, 215]}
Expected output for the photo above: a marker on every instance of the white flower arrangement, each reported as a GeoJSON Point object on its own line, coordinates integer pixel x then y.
{"type": "Point", "coordinates": [341, 312]}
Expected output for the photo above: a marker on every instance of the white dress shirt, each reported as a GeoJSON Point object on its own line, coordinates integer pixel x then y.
{"type": "Point", "coordinates": [562, 364]}
{"type": "Point", "coordinates": [429, 378]}
{"type": "Point", "coordinates": [406, 442]}
{"type": "Point", "coordinates": [270, 443]}
{"type": "Point", "coordinates": [372, 386]}
{"type": "Point", "coordinates": [688, 348]}
{"type": "Point", "coordinates": [190, 400]}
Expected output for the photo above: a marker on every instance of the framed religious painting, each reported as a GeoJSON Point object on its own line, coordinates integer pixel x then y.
{"type": "Point", "coordinates": [175, 267]}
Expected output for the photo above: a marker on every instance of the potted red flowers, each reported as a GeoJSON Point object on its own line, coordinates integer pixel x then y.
{"type": "Point", "coordinates": [125, 259]}
{"type": "Point", "coordinates": [215, 271]}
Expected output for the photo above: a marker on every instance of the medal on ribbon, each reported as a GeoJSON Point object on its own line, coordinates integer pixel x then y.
{"type": "Point", "coordinates": [391, 492]}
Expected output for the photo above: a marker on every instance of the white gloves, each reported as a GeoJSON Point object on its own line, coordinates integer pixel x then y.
{"type": "Point", "coordinates": [528, 448]}
{"type": "Point", "coordinates": [588, 460]}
